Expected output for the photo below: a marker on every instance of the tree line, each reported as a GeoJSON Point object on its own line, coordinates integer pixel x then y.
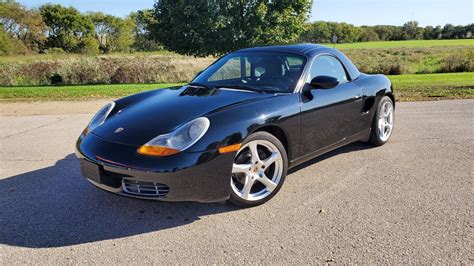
{"type": "Point", "coordinates": [200, 28]}
{"type": "Point", "coordinates": [53, 28]}
{"type": "Point", "coordinates": [322, 32]}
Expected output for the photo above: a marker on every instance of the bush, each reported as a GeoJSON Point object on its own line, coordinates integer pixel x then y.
{"type": "Point", "coordinates": [54, 50]}
{"type": "Point", "coordinates": [9, 45]}
{"type": "Point", "coordinates": [56, 79]}
{"type": "Point", "coordinates": [460, 62]}
{"type": "Point", "coordinates": [5, 43]}
{"type": "Point", "coordinates": [89, 45]}
{"type": "Point", "coordinates": [390, 68]}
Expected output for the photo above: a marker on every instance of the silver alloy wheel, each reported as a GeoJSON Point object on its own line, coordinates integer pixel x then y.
{"type": "Point", "coordinates": [385, 122]}
{"type": "Point", "coordinates": [267, 171]}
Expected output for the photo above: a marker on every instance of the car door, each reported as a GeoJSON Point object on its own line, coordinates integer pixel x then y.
{"type": "Point", "coordinates": [329, 116]}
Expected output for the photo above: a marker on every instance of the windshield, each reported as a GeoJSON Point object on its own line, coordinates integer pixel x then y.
{"type": "Point", "coordinates": [257, 71]}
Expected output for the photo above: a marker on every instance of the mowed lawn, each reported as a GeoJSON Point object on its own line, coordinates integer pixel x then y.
{"type": "Point", "coordinates": [404, 44]}
{"type": "Point", "coordinates": [407, 88]}
{"type": "Point", "coordinates": [434, 86]}
{"type": "Point", "coordinates": [75, 92]}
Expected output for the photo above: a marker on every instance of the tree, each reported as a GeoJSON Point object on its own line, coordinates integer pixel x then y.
{"type": "Point", "coordinates": [104, 29]}
{"type": "Point", "coordinates": [384, 32]}
{"type": "Point", "coordinates": [411, 31]}
{"type": "Point", "coordinates": [6, 46]}
{"type": "Point", "coordinates": [428, 33]}
{"type": "Point", "coordinates": [469, 29]}
{"type": "Point", "coordinates": [458, 32]}
{"type": "Point", "coordinates": [317, 32]}
{"type": "Point", "coordinates": [437, 32]}
{"type": "Point", "coordinates": [112, 33]}
{"type": "Point", "coordinates": [368, 34]}
{"type": "Point", "coordinates": [448, 31]}
{"type": "Point", "coordinates": [346, 33]}
{"type": "Point", "coordinates": [67, 27]}
{"type": "Point", "coordinates": [215, 27]}
{"type": "Point", "coordinates": [25, 25]}
{"type": "Point", "coordinates": [89, 45]}
{"type": "Point", "coordinates": [144, 23]}
{"type": "Point", "coordinates": [124, 38]}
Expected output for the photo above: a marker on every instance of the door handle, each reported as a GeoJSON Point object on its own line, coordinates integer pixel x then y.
{"type": "Point", "coordinates": [358, 97]}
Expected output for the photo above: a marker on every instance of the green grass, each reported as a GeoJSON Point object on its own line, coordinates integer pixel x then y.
{"type": "Point", "coordinates": [404, 44]}
{"type": "Point", "coordinates": [407, 88]}
{"type": "Point", "coordinates": [75, 93]}
{"type": "Point", "coordinates": [433, 86]}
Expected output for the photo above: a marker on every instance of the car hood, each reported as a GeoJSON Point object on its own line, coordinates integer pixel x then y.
{"type": "Point", "coordinates": [167, 109]}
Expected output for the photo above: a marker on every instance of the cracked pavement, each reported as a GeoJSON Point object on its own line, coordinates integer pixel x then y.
{"type": "Point", "coordinates": [410, 201]}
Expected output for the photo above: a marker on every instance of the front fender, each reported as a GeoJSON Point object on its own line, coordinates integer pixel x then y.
{"type": "Point", "coordinates": [234, 125]}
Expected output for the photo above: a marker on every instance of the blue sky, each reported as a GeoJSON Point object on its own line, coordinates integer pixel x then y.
{"type": "Point", "coordinates": [362, 12]}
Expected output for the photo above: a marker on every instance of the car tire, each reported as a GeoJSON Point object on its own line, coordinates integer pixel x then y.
{"type": "Point", "coordinates": [382, 124]}
{"type": "Point", "coordinates": [264, 173]}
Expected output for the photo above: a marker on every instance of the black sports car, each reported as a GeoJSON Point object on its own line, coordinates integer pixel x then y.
{"type": "Point", "coordinates": [233, 132]}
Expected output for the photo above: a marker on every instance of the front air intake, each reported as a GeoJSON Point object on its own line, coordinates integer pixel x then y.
{"type": "Point", "coordinates": [144, 189]}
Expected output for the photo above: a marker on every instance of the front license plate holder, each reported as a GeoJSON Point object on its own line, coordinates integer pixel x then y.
{"type": "Point", "coordinates": [90, 170]}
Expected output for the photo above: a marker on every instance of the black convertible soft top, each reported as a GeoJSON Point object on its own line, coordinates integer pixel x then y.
{"type": "Point", "coordinates": [310, 50]}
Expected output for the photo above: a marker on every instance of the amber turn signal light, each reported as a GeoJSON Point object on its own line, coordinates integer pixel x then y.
{"type": "Point", "coordinates": [156, 151]}
{"type": "Point", "coordinates": [230, 148]}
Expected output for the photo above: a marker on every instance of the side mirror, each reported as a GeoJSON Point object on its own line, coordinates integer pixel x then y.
{"type": "Point", "coordinates": [324, 82]}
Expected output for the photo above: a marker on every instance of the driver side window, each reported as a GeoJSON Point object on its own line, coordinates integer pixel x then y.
{"type": "Point", "coordinates": [327, 65]}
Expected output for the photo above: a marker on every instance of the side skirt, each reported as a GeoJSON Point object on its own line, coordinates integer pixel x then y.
{"type": "Point", "coordinates": [361, 136]}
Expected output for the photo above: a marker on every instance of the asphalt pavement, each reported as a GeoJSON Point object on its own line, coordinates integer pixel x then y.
{"type": "Point", "coordinates": [410, 201]}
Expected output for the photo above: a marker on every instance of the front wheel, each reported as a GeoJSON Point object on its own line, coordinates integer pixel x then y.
{"type": "Point", "coordinates": [259, 170]}
{"type": "Point", "coordinates": [382, 125]}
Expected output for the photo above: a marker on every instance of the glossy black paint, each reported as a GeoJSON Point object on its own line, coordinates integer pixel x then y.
{"type": "Point", "coordinates": [187, 174]}
{"type": "Point", "coordinates": [308, 122]}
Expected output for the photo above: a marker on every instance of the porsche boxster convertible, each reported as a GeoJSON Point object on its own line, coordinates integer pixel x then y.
{"type": "Point", "coordinates": [234, 130]}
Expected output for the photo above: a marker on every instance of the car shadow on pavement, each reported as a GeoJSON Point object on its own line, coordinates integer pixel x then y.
{"type": "Point", "coordinates": [356, 146]}
{"type": "Point", "coordinates": [56, 207]}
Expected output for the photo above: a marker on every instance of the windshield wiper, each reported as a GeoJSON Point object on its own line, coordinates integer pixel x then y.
{"type": "Point", "coordinates": [241, 87]}
{"type": "Point", "coordinates": [202, 85]}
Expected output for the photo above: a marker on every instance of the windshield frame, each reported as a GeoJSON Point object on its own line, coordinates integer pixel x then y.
{"type": "Point", "coordinates": [293, 88]}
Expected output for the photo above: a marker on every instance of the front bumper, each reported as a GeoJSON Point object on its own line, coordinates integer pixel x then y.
{"type": "Point", "coordinates": [198, 176]}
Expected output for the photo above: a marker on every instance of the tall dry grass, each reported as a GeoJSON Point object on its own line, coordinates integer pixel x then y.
{"type": "Point", "coordinates": [167, 68]}
{"type": "Point", "coordinates": [399, 61]}
{"type": "Point", "coordinates": [102, 70]}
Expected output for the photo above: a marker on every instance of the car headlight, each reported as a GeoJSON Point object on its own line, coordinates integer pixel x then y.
{"type": "Point", "coordinates": [178, 140]}
{"type": "Point", "coordinates": [99, 118]}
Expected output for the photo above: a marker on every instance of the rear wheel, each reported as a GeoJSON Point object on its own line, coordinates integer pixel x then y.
{"type": "Point", "coordinates": [259, 170]}
{"type": "Point", "coordinates": [382, 125]}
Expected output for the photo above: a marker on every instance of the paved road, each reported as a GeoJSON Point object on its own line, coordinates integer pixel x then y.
{"type": "Point", "coordinates": [410, 201]}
